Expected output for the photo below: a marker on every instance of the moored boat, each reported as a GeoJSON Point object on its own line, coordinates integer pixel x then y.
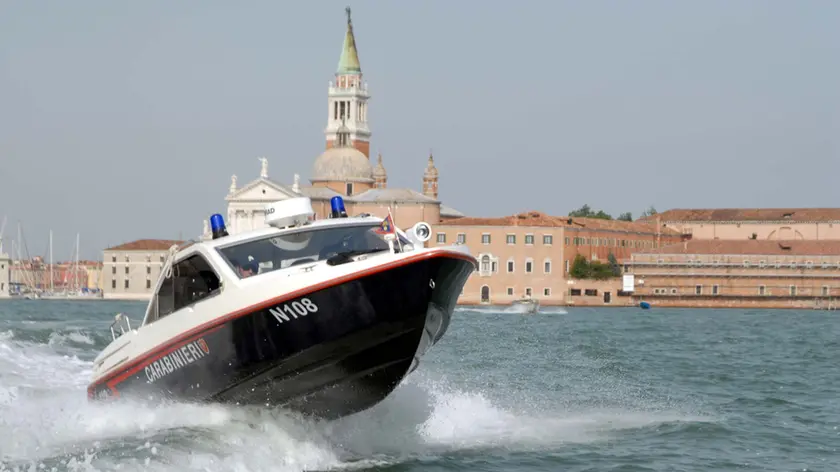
{"type": "Point", "coordinates": [324, 317]}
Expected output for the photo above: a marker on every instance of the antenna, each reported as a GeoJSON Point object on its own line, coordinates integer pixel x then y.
{"type": "Point", "coordinates": [2, 229]}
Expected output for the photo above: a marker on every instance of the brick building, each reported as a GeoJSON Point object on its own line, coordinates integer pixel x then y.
{"type": "Point", "coordinates": [739, 273]}
{"type": "Point", "coordinates": [531, 253]}
{"type": "Point", "coordinates": [759, 223]}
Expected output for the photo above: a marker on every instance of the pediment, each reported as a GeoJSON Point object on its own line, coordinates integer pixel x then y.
{"type": "Point", "coordinates": [262, 190]}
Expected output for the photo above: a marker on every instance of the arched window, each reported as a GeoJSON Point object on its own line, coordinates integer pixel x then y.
{"type": "Point", "coordinates": [485, 294]}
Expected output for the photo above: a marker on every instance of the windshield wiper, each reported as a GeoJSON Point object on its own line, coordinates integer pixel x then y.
{"type": "Point", "coordinates": [345, 257]}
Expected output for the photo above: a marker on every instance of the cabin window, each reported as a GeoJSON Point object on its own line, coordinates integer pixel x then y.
{"type": "Point", "coordinates": [192, 280]}
{"type": "Point", "coordinates": [304, 246]}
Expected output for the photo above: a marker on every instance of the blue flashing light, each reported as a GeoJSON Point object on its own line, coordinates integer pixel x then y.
{"type": "Point", "coordinates": [337, 204]}
{"type": "Point", "coordinates": [217, 226]}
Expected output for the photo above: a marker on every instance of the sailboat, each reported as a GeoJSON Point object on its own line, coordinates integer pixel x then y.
{"type": "Point", "coordinates": [75, 290]}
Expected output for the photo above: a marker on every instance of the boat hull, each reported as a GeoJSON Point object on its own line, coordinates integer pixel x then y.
{"type": "Point", "coordinates": [527, 308]}
{"type": "Point", "coordinates": [329, 352]}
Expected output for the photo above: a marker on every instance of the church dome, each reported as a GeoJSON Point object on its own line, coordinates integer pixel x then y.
{"type": "Point", "coordinates": [342, 164]}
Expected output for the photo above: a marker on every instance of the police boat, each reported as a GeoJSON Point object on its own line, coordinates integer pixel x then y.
{"type": "Point", "coordinates": [324, 317]}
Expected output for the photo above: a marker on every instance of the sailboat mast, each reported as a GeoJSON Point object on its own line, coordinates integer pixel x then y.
{"type": "Point", "coordinates": [52, 285]}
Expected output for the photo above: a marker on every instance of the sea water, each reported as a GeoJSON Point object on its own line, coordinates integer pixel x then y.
{"type": "Point", "coordinates": [576, 389]}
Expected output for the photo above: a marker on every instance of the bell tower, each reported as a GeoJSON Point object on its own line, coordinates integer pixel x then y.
{"type": "Point", "coordinates": [348, 97]}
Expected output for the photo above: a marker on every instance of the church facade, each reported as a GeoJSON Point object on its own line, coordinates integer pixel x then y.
{"type": "Point", "coordinates": [344, 168]}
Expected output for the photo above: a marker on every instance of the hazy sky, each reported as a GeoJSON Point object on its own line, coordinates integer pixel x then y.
{"type": "Point", "coordinates": [124, 120]}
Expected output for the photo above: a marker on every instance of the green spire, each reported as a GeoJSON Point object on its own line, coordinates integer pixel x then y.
{"type": "Point", "coordinates": [348, 63]}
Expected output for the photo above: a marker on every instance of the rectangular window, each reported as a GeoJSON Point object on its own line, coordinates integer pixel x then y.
{"type": "Point", "coordinates": [462, 238]}
{"type": "Point", "coordinates": [126, 284]}
{"type": "Point", "coordinates": [714, 289]}
{"type": "Point", "coordinates": [793, 290]}
{"type": "Point", "coordinates": [495, 267]}
{"type": "Point", "coordinates": [485, 238]}
{"type": "Point", "coordinates": [113, 258]}
{"type": "Point", "coordinates": [567, 266]}
{"type": "Point", "coordinates": [698, 290]}
{"type": "Point", "coordinates": [529, 239]}
{"type": "Point", "coordinates": [510, 291]}
{"type": "Point", "coordinates": [529, 267]}
{"type": "Point", "coordinates": [148, 284]}
{"type": "Point", "coordinates": [114, 270]}
{"type": "Point", "coordinates": [510, 267]}
{"type": "Point", "coordinates": [511, 239]}
{"type": "Point", "coordinates": [441, 238]}
{"type": "Point", "coordinates": [547, 267]}
{"type": "Point", "coordinates": [762, 290]}
{"type": "Point", "coordinates": [566, 240]}
{"type": "Point", "coordinates": [547, 292]}
{"type": "Point", "coordinates": [114, 284]}
{"type": "Point", "coordinates": [148, 270]}
{"type": "Point", "coordinates": [528, 291]}
{"type": "Point", "coordinates": [126, 271]}
{"type": "Point", "coordinates": [825, 291]}
{"type": "Point", "coordinates": [349, 189]}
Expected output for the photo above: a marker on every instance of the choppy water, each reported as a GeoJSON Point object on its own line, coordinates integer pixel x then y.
{"type": "Point", "coordinates": [584, 390]}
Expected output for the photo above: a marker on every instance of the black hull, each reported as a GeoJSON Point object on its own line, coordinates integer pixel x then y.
{"type": "Point", "coordinates": [331, 351]}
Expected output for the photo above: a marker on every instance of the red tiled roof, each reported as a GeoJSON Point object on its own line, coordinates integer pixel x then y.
{"type": "Point", "coordinates": [748, 214]}
{"type": "Point", "coordinates": [527, 218]}
{"type": "Point", "coordinates": [749, 247]}
{"type": "Point", "coordinates": [536, 218]}
{"type": "Point", "coordinates": [619, 225]}
{"type": "Point", "coordinates": [146, 245]}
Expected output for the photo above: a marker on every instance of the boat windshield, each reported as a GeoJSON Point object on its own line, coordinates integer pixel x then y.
{"type": "Point", "coordinates": [302, 247]}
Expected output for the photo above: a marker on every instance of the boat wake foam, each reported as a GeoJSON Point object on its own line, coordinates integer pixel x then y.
{"type": "Point", "coordinates": [52, 426]}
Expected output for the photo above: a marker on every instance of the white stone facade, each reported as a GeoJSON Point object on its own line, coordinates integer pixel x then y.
{"type": "Point", "coordinates": [5, 274]}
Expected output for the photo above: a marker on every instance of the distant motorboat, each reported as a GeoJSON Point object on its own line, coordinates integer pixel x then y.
{"type": "Point", "coordinates": [644, 305]}
{"type": "Point", "coordinates": [526, 305]}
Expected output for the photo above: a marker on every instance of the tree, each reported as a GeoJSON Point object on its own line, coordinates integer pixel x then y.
{"type": "Point", "coordinates": [649, 212]}
{"type": "Point", "coordinates": [580, 268]}
{"type": "Point", "coordinates": [616, 269]}
{"type": "Point", "coordinates": [586, 212]}
{"type": "Point", "coordinates": [625, 217]}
